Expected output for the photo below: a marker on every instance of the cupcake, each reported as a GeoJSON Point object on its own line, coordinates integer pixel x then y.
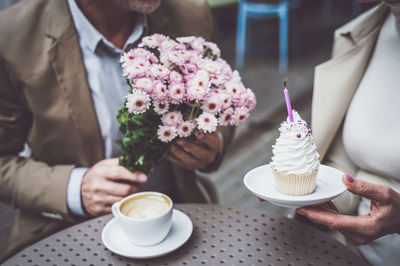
{"type": "Point", "coordinates": [295, 160]}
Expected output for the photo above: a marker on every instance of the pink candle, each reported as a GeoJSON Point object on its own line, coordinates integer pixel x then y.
{"type": "Point", "coordinates": [288, 105]}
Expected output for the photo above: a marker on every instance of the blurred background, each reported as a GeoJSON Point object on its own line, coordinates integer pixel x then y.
{"type": "Point", "coordinates": [266, 40]}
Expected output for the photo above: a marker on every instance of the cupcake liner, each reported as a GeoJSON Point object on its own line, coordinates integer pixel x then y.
{"type": "Point", "coordinates": [295, 184]}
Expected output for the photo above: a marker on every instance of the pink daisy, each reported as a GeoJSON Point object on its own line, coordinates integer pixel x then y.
{"type": "Point", "coordinates": [226, 100]}
{"type": "Point", "coordinates": [136, 68]}
{"type": "Point", "coordinates": [176, 93]}
{"type": "Point", "coordinates": [174, 77]}
{"type": "Point", "coordinates": [137, 102]}
{"type": "Point", "coordinates": [234, 88]}
{"type": "Point", "coordinates": [166, 134]}
{"type": "Point", "coordinates": [172, 119]}
{"type": "Point", "coordinates": [226, 118]}
{"type": "Point", "coordinates": [161, 107]}
{"type": "Point", "coordinates": [149, 41]}
{"type": "Point", "coordinates": [207, 122]}
{"type": "Point", "coordinates": [212, 105]}
{"type": "Point", "coordinates": [252, 99]}
{"type": "Point", "coordinates": [159, 71]}
{"type": "Point", "coordinates": [160, 91]}
{"type": "Point", "coordinates": [144, 84]}
{"type": "Point", "coordinates": [185, 129]}
{"type": "Point", "coordinates": [240, 115]}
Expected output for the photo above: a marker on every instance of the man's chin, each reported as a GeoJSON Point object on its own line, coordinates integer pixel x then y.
{"type": "Point", "coordinates": [141, 6]}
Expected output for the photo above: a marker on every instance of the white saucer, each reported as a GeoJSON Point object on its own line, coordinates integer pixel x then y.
{"type": "Point", "coordinates": [261, 182]}
{"type": "Point", "coordinates": [116, 241]}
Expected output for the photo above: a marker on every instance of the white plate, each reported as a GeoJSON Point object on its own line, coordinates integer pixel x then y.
{"type": "Point", "coordinates": [261, 182]}
{"type": "Point", "coordinates": [116, 241]}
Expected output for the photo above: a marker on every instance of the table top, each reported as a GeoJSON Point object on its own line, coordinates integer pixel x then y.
{"type": "Point", "coordinates": [222, 234]}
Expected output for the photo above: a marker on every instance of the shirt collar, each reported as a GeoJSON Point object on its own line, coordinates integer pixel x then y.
{"type": "Point", "coordinates": [91, 38]}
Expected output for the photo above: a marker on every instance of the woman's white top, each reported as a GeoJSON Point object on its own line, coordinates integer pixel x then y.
{"type": "Point", "coordinates": [371, 132]}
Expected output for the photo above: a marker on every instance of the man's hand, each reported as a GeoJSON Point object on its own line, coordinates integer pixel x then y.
{"type": "Point", "coordinates": [106, 183]}
{"type": "Point", "coordinates": [196, 154]}
{"type": "Point", "coordinates": [384, 217]}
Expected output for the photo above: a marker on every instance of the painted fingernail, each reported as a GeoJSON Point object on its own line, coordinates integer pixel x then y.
{"type": "Point", "coordinates": [260, 200]}
{"type": "Point", "coordinates": [142, 177]}
{"type": "Point", "coordinates": [300, 212]}
{"type": "Point", "coordinates": [349, 178]}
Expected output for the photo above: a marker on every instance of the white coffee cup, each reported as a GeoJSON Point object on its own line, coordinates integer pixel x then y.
{"type": "Point", "coordinates": [145, 217]}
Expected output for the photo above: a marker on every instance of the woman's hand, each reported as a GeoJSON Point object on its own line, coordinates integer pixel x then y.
{"type": "Point", "coordinates": [383, 218]}
{"type": "Point", "coordinates": [196, 154]}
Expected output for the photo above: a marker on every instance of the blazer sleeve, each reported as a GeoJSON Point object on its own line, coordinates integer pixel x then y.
{"type": "Point", "coordinates": [337, 157]}
{"type": "Point", "coordinates": [26, 183]}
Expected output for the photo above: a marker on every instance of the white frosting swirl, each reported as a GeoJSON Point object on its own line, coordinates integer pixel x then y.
{"type": "Point", "coordinates": [294, 150]}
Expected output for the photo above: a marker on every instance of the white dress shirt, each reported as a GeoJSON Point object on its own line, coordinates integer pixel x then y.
{"type": "Point", "coordinates": [108, 89]}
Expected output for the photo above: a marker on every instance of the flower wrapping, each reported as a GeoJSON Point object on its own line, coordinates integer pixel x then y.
{"type": "Point", "coordinates": [178, 87]}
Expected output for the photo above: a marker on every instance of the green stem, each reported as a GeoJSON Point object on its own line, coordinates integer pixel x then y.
{"type": "Point", "coordinates": [191, 113]}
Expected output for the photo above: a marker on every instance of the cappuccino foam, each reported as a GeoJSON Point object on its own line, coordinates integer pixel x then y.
{"type": "Point", "coordinates": [145, 206]}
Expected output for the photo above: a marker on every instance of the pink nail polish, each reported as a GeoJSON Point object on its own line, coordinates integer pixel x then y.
{"type": "Point", "coordinates": [349, 178]}
{"type": "Point", "coordinates": [300, 212]}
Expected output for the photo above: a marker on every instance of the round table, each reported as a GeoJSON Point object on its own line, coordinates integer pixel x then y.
{"type": "Point", "coordinates": [227, 235]}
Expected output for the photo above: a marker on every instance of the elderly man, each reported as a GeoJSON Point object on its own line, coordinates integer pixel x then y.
{"type": "Point", "coordinates": [60, 90]}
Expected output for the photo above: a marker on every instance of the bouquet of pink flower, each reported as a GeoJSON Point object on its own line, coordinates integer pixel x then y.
{"type": "Point", "coordinates": [177, 88]}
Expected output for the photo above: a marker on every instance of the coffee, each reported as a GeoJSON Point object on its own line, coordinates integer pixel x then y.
{"type": "Point", "coordinates": [145, 206]}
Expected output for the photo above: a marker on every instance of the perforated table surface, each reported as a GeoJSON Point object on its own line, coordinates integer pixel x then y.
{"type": "Point", "coordinates": [227, 235]}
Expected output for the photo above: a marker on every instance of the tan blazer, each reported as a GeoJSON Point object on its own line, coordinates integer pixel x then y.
{"type": "Point", "coordinates": [45, 100]}
{"type": "Point", "coordinates": [335, 83]}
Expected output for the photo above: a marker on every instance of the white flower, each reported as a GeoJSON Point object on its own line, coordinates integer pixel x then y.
{"type": "Point", "coordinates": [137, 102]}
{"type": "Point", "coordinates": [144, 84]}
{"type": "Point", "coordinates": [149, 41]}
{"type": "Point", "coordinates": [234, 88]}
{"type": "Point", "coordinates": [226, 100]}
{"type": "Point", "coordinates": [176, 93]}
{"type": "Point", "coordinates": [160, 92]}
{"type": "Point", "coordinates": [166, 134]}
{"type": "Point", "coordinates": [172, 119]}
{"type": "Point", "coordinates": [226, 118]}
{"type": "Point", "coordinates": [207, 122]}
{"type": "Point", "coordinates": [159, 71]}
{"type": "Point", "coordinates": [196, 93]}
{"type": "Point", "coordinates": [212, 105]}
{"type": "Point", "coordinates": [240, 115]}
{"type": "Point", "coordinates": [161, 107]}
{"type": "Point", "coordinates": [185, 129]}
{"type": "Point", "coordinates": [137, 68]}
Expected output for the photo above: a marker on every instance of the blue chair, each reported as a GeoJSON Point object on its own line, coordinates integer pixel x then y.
{"type": "Point", "coordinates": [257, 10]}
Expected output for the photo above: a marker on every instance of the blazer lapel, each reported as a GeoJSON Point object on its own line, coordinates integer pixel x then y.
{"type": "Point", "coordinates": [67, 63]}
{"type": "Point", "coordinates": [336, 80]}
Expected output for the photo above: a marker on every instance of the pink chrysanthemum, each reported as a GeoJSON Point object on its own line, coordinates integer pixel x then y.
{"type": "Point", "coordinates": [159, 71]}
{"type": "Point", "coordinates": [226, 100]}
{"type": "Point", "coordinates": [172, 119]}
{"type": "Point", "coordinates": [137, 102]}
{"type": "Point", "coordinates": [174, 77]}
{"type": "Point", "coordinates": [137, 68]}
{"type": "Point", "coordinates": [149, 41]}
{"type": "Point", "coordinates": [212, 105]}
{"type": "Point", "coordinates": [160, 91]}
{"type": "Point", "coordinates": [196, 93]}
{"type": "Point", "coordinates": [207, 122]}
{"type": "Point", "coordinates": [144, 84]}
{"type": "Point", "coordinates": [240, 115]}
{"type": "Point", "coordinates": [242, 100]}
{"type": "Point", "coordinates": [214, 48]}
{"type": "Point", "coordinates": [226, 118]}
{"type": "Point", "coordinates": [166, 134]}
{"type": "Point", "coordinates": [161, 107]}
{"type": "Point", "coordinates": [234, 88]}
{"type": "Point", "coordinates": [176, 93]}
{"type": "Point", "coordinates": [252, 99]}
{"type": "Point", "coordinates": [185, 129]}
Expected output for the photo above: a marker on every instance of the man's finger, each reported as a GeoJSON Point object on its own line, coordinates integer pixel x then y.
{"type": "Point", "coordinates": [334, 220]}
{"type": "Point", "coordinates": [111, 162]}
{"type": "Point", "coordinates": [118, 189]}
{"type": "Point", "coordinates": [183, 156]}
{"type": "Point", "coordinates": [366, 189]}
{"type": "Point", "coordinates": [121, 173]}
{"type": "Point", "coordinates": [199, 152]}
{"type": "Point", "coordinates": [211, 140]}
